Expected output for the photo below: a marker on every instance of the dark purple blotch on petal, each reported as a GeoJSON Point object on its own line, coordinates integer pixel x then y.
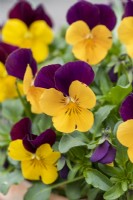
{"type": "Point", "coordinates": [45, 77]}
{"type": "Point", "coordinates": [72, 71]}
{"type": "Point", "coordinates": [5, 50]}
{"type": "Point", "coordinates": [107, 16]}
{"type": "Point", "coordinates": [112, 75]}
{"type": "Point", "coordinates": [128, 10]}
{"type": "Point", "coordinates": [104, 153]}
{"type": "Point", "coordinates": [21, 129]}
{"type": "Point", "coordinates": [126, 109]}
{"type": "Point", "coordinates": [84, 11]}
{"type": "Point", "coordinates": [17, 62]}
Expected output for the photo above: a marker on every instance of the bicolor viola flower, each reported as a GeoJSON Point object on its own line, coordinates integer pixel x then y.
{"type": "Point", "coordinates": [7, 83]}
{"type": "Point", "coordinates": [125, 29]}
{"type": "Point", "coordinates": [125, 129]}
{"type": "Point", "coordinates": [38, 159]}
{"type": "Point", "coordinates": [67, 97]}
{"type": "Point", "coordinates": [28, 28]}
{"type": "Point", "coordinates": [90, 30]}
{"type": "Point", "coordinates": [22, 65]}
{"type": "Point", "coordinates": [105, 153]}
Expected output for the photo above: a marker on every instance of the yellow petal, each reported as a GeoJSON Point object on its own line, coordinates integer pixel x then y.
{"type": "Point", "coordinates": [125, 31]}
{"type": "Point", "coordinates": [40, 50]}
{"type": "Point", "coordinates": [82, 94]}
{"type": "Point", "coordinates": [43, 151]}
{"type": "Point", "coordinates": [31, 169]}
{"type": "Point", "coordinates": [28, 78]}
{"type": "Point", "coordinates": [130, 49]}
{"type": "Point", "coordinates": [41, 31]}
{"type": "Point", "coordinates": [52, 158]}
{"type": "Point", "coordinates": [125, 133]}
{"type": "Point", "coordinates": [13, 32]}
{"type": "Point", "coordinates": [17, 151]}
{"type": "Point", "coordinates": [130, 153]}
{"type": "Point", "coordinates": [33, 96]}
{"type": "Point", "coordinates": [77, 32]}
{"type": "Point", "coordinates": [81, 120]}
{"type": "Point", "coordinates": [52, 101]}
{"type": "Point", "coordinates": [3, 72]}
{"type": "Point", "coordinates": [49, 174]}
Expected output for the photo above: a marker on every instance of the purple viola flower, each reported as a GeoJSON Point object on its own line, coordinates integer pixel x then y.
{"type": "Point", "coordinates": [92, 14]}
{"type": "Point", "coordinates": [22, 130]}
{"type": "Point", "coordinates": [126, 109]}
{"type": "Point", "coordinates": [64, 172]}
{"type": "Point", "coordinates": [5, 50]}
{"type": "Point", "coordinates": [112, 75]}
{"type": "Point", "coordinates": [61, 77]}
{"type": "Point", "coordinates": [104, 153]}
{"type": "Point", "coordinates": [22, 10]}
{"type": "Point", "coordinates": [128, 9]}
{"type": "Point", "coordinates": [18, 61]}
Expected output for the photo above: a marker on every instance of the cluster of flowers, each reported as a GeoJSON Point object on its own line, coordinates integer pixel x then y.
{"type": "Point", "coordinates": [63, 91]}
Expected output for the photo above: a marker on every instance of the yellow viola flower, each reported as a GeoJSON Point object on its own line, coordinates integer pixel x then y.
{"type": "Point", "coordinates": [89, 45]}
{"type": "Point", "coordinates": [40, 164]}
{"type": "Point", "coordinates": [37, 36]}
{"type": "Point", "coordinates": [125, 34]}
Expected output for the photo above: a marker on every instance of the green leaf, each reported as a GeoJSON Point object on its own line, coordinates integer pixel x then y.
{"type": "Point", "coordinates": [100, 116]}
{"type": "Point", "coordinates": [97, 179]}
{"type": "Point", "coordinates": [67, 142]}
{"type": "Point", "coordinates": [7, 179]}
{"type": "Point", "coordinates": [111, 171]}
{"type": "Point", "coordinates": [38, 191]}
{"type": "Point", "coordinates": [114, 192]}
{"type": "Point", "coordinates": [12, 110]}
{"type": "Point", "coordinates": [73, 190]}
{"type": "Point", "coordinates": [121, 155]}
{"type": "Point", "coordinates": [92, 193]}
{"type": "Point", "coordinates": [118, 93]}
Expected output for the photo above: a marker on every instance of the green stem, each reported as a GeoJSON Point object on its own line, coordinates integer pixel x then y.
{"type": "Point", "coordinates": [22, 100]}
{"type": "Point", "coordinates": [67, 182]}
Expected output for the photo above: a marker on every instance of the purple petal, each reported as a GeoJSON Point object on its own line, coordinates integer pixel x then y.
{"type": "Point", "coordinates": [28, 142]}
{"type": "Point", "coordinates": [21, 129]}
{"type": "Point", "coordinates": [107, 16]}
{"type": "Point", "coordinates": [5, 50]}
{"type": "Point", "coordinates": [126, 109]}
{"type": "Point", "coordinates": [109, 157]}
{"type": "Point", "coordinates": [23, 11]}
{"type": "Point", "coordinates": [64, 172]}
{"type": "Point", "coordinates": [45, 77]}
{"type": "Point", "coordinates": [84, 11]}
{"type": "Point", "coordinates": [72, 71]}
{"type": "Point", "coordinates": [17, 62]}
{"type": "Point", "coordinates": [40, 14]}
{"type": "Point", "coordinates": [128, 11]}
{"type": "Point", "coordinates": [100, 151]}
{"type": "Point", "coordinates": [113, 76]}
{"type": "Point", "coordinates": [48, 136]}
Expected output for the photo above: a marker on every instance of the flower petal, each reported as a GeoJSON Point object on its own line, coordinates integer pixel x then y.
{"type": "Point", "coordinates": [45, 77]}
{"type": "Point", "coordinates": [84, 11]}
{"type": "Point", "coordinates": [48, 136]}
{"type": "Point", "coordinates": [52, 102]}
{"type": "Point", "coordinates": [109, 157]}
{"type": "Point", "coordinates": [17, 151]}
{"type": "Point", "coordinates": [84, 96]}
{"type": "Point", "coordinates": [107, 16]}
{"type": "Point", "coordinates": [21, 129]}
{"type": "Point", "coordinates": [77, 32]}
{"type": "Point", "coordinates": [44, 151]}
{"type": "Point", "coordinates": [126, 109]}
{"type": "Point", "coordinates": [130, 153]}
{"type": "Point", "coordinates": [52, 158]}
{"type": "Point", "coordinates": [72, 71]}
{"type": "Point", "coordinates": [17, 62]}
{"type": "Point", "coordinates": [100, 151]}
{"type": "Point", "coordinates": [28, 77]}
{"type": "Point", "coordinates": [128, 10]}
{"type": "Point", "coordinates": [67, 123]}
{"type": "Point", "coordinates": [13, 32]}
{"type": "Point", "coordinates": [33, 96]}
{"type": "Point", "coordinates": [125, 133]}
{"type": "Point", "coordinates": [49, 174]}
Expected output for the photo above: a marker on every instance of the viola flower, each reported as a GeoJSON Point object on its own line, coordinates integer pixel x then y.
{"type": "Point", "coordinates": [66, 97]}
{"type": "Point", "coordinates": [105, 153]}
{"type": "Point", "coordinates": [38, 160]}
{"type": "Point", "coordinates": [125, 29]}
{"type": "Point", "coordinates": [125, 129]}
{"type": "Point", "coordinates": [90, 30]}
{"type": "Point", "coordinates": [7, 83]}
{"type": "Point", "coordinates": [22, 65]}
{"type": "Point", "coordinates": [27, 28]}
